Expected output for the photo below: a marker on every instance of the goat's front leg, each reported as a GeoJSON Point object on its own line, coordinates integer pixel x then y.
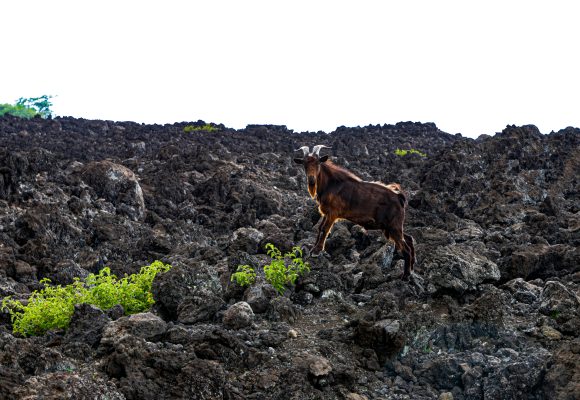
{"type": "Point", "coordinates": [320, 230]}
{"type": "Point", "coordinates": [323, 231]}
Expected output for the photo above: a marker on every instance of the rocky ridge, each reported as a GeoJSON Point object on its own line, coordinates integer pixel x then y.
{"type": "Point", "coordinates": [494, 311]}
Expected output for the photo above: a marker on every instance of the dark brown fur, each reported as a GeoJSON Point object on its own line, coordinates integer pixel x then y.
{"type": "Point", "coordinates": [340, 194]}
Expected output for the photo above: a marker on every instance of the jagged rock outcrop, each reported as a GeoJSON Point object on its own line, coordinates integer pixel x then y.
{"type": "Point", "coordinates": [493, 311]}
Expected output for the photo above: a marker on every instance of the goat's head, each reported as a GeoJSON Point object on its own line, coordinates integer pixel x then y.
{"type": "Point", "coordinates": [311, 162]}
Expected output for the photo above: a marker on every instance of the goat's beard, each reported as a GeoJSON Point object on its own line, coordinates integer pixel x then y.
{"type": "Point", "coordinates": [312, 190]}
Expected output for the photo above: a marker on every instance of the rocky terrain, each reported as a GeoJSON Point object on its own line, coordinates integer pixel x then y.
{"type": "Point", "coordinates": [493, 312]}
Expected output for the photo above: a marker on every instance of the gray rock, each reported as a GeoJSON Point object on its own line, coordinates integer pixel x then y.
{"type": "Point", "coordinates": [144, 325]}
{"type": "Point", "coordinates": [340, 240]}
{"type": "Point", "coordinates": [258, 296]}
{"type": "Point", "coordinates": [246, 240]}
{"type": "Point", "coordinates": [458, 267]}
{"type": "Point", "coordinates": [239, 315]}
{"type": "Point", "coordinates": [562, 380]}
{"type": "Point", "coordinates": [320, 366]}
{"type": "Point", "coordinates": [118, 185]}
{"type": "Point", "coordinates": [562, 305]}
{"type": "Point", "coordinates": [86, 325]}
{"type": "Point", "coordinates": [282, 309]}
{"type": "Point", "coordinates": [523, 291]}
{"type": "Point", "coordinates": [384, 337]}
{"type": "Point", "coordinates": [542, 260]}
{"type": "Point", "coordinates": [201, 305]}
{"type": "Point", "coordinates": [515, 377]}
{"type": "Point", "coordinates": [9, 287]}
{"type": "Point", "coordinates": [79, 385]}
{"type": "Point", "coordinates": [67, 271]}
{"type": "Point", "coordinates": [383, 257]}
{"type": "Point", "coordinates": [189, 292]}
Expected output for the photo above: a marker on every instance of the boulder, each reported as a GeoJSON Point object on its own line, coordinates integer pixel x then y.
{"type": "Point", "coordinates": [189, 292]}
{"type": "Point", "coordinates": [86, 325]}
{"type": "Point", "coordinates": [259, 295]}
{"type": "Point", "coordinates": [384, 337]}
{"type": "Point", "coordinates": [246, 240]}
{"type": "Point", "coordinates": [459, 268]}
{"type": "Point", "coordinates": [562, 305]}
{"type": "Point", "coordinates": [524, 292]}
{"type": "Point", "coordinates": [562, 379]}
{"type": "Point", "coordinates": [143, 325]}
{"type": "Point", "coordinates": [118, 185]}
{"type": "Point", "coordinates": [239, 315]}
{"type": "Point", "coordinates": [201, 305]}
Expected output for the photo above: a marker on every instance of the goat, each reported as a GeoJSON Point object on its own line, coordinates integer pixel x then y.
{"type": "Point", "coordinates": [341, 195]}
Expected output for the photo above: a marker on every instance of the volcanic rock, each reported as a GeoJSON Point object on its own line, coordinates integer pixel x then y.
{"type": "Point", "coordinates": [493, 310]}
{"type": "Point", "coordinates": [117, 184]}
{"type": "Point", "coordinates": [459, 268]}
{"type": "Point", "coordinates": [239, 315]}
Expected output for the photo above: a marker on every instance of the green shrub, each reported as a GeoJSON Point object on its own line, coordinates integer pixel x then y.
{"type": "Point", "coordinates": [244, 276]}
{"type": "Point", "coordinates": [29, 107]}
{"type": "Point", "coordinates": [201, 128]}
{"type": "Point", "coordinates": [17, 111]}
{"type": "Point", "coordinates": [402, 153]}
{"type": "Point", "coordinates": [53, 306]}
{"type": "Point", "coordinates": [50, 307]}
{"type": "Point", "coordinates": [133, 292]}
{"type": "Point", "coordinates": [283, 270]}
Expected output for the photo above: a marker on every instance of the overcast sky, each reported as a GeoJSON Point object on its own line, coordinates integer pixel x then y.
{"type": "Point", "coordinates": [311, 65]}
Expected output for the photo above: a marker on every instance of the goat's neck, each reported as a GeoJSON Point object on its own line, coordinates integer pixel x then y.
{"type": "Point", "coordinates": [321, 181]}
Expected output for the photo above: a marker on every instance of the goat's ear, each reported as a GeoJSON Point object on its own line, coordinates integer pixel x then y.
{"type": "Point", "coordinates": [299, 161]}
{"type": "Point", "coordinates": [323, 159]}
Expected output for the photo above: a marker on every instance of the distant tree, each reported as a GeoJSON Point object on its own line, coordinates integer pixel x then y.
{"type": "Point", "coordinates": [29, 107]}
{"type": "Point", "coordinates": [17, 111]}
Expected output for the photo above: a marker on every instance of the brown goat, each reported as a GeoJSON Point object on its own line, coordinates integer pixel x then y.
{"type": "Point", "coordinates": [340, 194]}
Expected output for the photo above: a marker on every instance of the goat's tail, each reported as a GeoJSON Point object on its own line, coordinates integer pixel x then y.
{"type": "Point", "coordinates": [396, 188]}
{"type": "Point", "coordinates": [402, 199]}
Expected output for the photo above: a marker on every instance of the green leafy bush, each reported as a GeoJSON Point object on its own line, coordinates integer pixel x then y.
{"type": "Point", "coordinates": [52, 306]}
{"type": "Point", "coordinates": [201, 128]}
{"type": "Point", "coordinates": [402, 153]}
{"type": "Point", "coordinates": [283, 270]}
{"type": "Point", "coordinates": [133, 292]}
{"type": "Point", "coordinates": [244, 276]}
{"type": "Point", "coordinates": [29, 107]}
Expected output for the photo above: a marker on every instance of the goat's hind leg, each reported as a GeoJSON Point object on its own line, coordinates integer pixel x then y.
{"type": "Point", "coordinates": [403, 249]}
{"type": "Point", "coordinates": [410, 242]}
{"type": "Point", "coordinates": [406, 251]}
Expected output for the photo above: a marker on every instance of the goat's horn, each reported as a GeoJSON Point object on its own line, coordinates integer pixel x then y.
{"type": "Point", "coordinates": [316, 149]}
{"type": "Point", "coordinates": [305, 150]}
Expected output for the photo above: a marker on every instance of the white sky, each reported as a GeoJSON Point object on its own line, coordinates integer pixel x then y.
{"type": "Point", "coordinates": [311, 65]}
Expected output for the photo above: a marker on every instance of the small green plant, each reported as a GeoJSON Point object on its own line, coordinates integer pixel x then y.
{"type": "Point", "coordinates": [555, 314]}
{"type": "Point", "coordinates": [53, 306]}
{"type": "Point", "coordinates": [133, 292]}
{"type": "Point", "coordinates": [244, 276]}
{"type": "Point", "coordinates": [50, 307]}
{"type": "Point", "coordinates": [29, 107]}
{"type": "Point", "coordinates": [201, 128]}
{"type": "Point", "coordinates": [403, 153]}
{"type": "Point", "coordinates": [283, 270]}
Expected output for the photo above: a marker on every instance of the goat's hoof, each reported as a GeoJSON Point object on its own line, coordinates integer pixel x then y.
{"type": "Point", "coordinates": [406, 277]}
{"type": "Point", "coordinates": [315, 253]}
